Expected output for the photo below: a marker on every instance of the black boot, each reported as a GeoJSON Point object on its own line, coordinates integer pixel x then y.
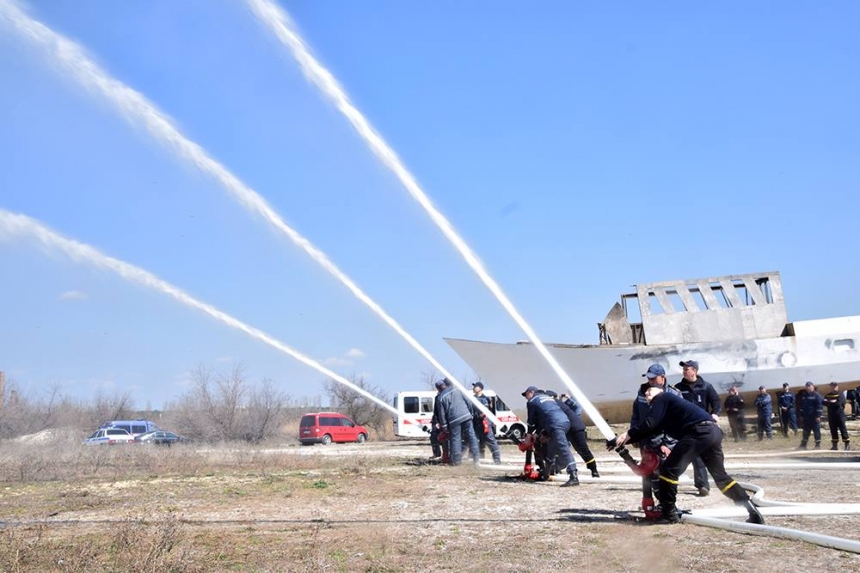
{"type": "Point", "coordinates": [755, 514]}
{"type": "Point", "coordinates": [835, 446]}
{"type": "Point", "coordinates": [593, 467]}
{"type": "Point", "coordinates": [669, 515]}
{"type": "Point", "coordinates": [817, 445]}
{"type": "Point", "coordinates": [572, 480]}
{"type": "Point", "coordinates": [847, 445]}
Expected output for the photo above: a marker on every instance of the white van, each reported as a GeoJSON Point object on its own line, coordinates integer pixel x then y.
{"type": "Point", "coordinates": [415, 411]}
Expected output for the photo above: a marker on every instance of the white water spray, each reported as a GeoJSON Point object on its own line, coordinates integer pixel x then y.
{"type": "Point", "coordinates": [139, 111]}
{"type": "Point", "coordinates": [12, 225]}
{"type": "Point", "coordinates": [276, 19]}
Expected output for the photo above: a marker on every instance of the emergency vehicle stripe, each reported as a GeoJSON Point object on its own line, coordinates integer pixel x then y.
{"type": "Point", "coordinates": [671, 481]}
{"type": "Point", "coordinates": [725, 489]}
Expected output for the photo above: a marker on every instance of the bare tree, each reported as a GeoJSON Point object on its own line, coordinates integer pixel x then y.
{"type": "Point", "coordinates": [361, 409]}
{"type": "Point", "coordinates": [116, 406]}
{"type": "Point", "coordinates": [224, 406]}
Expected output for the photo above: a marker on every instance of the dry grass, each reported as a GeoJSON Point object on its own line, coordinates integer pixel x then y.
{"type": "Point", "coordinates": [366, 508]}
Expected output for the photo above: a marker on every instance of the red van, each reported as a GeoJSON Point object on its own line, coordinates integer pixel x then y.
{"type": "Point", "coordinates": [328, 427]}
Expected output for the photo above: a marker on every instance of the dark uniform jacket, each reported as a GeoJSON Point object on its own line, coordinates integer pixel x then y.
{"type": "Point", "coordinates": [810, 405]}
{"type": "Point", "coordinates": [734, 405]}
{"type": "Point", "coordinates": [786, 400]}
{"type": "Point", "coordinates": [640, 412]}
{"type": "Point", "coordinates": [671, 414]}
{"type": "Point", "coordinates": [764, 405]}
{"type": "Point", "coordinates": [835, 402]}
{"type": "Point", "coordinates": [700, 393]}
{"type": "Point", "coordinates": [545, 413]}
{"type": "Point", "coordinates": [576, 424]}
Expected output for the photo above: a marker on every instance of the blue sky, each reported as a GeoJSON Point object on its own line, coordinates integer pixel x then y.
{"type": "Point", "coordinates": [578, 148]}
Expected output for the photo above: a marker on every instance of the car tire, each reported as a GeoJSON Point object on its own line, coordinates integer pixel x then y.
{"type": "Point", "coordinates": [326, 440]}
{"type": "Point", "coordinates": [361, 438]}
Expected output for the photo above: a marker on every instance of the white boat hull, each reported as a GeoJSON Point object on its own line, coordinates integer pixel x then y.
{"type": "Point", "coordinates": [609, 375]}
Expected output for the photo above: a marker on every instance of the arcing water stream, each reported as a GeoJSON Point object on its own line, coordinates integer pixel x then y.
{"type": "Point", "coordinates": [139, 111]}
{"type": "Point", "coordinates": [276, 19]}
{"type": "Point", "coordinates": [14, 225]}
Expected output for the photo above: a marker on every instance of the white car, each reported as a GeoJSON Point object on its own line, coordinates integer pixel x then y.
{"type": "Point", "coordinates": [109, 436]}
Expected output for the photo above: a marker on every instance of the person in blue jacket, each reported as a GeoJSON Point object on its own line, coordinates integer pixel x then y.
{"type": "Point", "coordinates": [548, 421]}
{"type": "Point", "coordinates": [764, 409]}
{"type": "Point", "coordinates": [576, 434]}
{"type": "Point", "coordinates": [810, 404]}
{"type": "Point", "coordinates": [698, 435]}
{"type": "Point", "coordinates": [787, 414]}
{"type": "Point", "coordinates": [454, 414]}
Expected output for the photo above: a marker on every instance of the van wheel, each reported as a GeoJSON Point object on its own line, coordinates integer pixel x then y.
{"type": "Point", "coordinates": [326, 440]}
{"type": "Point", "coordinates": [362, 438]}
{"type": "Point", "coordinates": [516, 434]}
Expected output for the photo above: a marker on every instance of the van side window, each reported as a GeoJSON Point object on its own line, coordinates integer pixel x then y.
{"type": "Point", "coordinates": [328, 421]}
{"type": "Point", "coordinates": [426, 405]}
{"type": "Point", "coordinates": [138, 429]}
{"type": "Point", "coordinates": [410, 405]}
{"type": "Point", "coordinates": [126, 428]}
{"type": "Point", "coordinates": [347, 422]}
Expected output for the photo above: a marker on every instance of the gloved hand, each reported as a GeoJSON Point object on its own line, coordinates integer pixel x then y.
{"type": "Point", "coordinates": [610, 444]}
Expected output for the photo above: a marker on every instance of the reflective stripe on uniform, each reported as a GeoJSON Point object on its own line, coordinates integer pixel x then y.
{"type": "Point", "coordinates": [725, 489]}
{"type": "Point", "coordinates": [671, 481]}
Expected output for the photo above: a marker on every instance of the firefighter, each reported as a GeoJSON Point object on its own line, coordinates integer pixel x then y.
{"type": "Point", "coordinates": [659, 444]}
{"type": "Point", "coordinates": [787, 415]}
{"type": "Point", "coordinates": [835, 402]}
{"type": "Point", "coordinates": [698, 435]}
{"type": "Point", "coordinates": [455, 415]}
{"type": "Point", "coordinates": [810, 406]}
{"type": "Point", "coordinates": [696, 389]}
{"type": "Point", "coordinates": [546, 417]}
{"type": "Point", "coordinates": [438, 439]}
{"type": "Point", "coordinates": [764, 411]}
{"type": "Point", "coordinates": [484, 428]}
{"type": "Point", "coordinates": [576, 434]}
{"type": "Point", "coordinates": [734, 406]}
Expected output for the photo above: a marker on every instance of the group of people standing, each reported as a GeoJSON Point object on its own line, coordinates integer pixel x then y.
{"type": "Point", "coordinates": [807, 405]}
{"type": "Point", "coordinates": [456, 420]}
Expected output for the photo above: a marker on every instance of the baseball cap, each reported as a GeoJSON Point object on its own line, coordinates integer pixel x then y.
{"type": "Point", "coordinates": [785, 384]}
{"type": "Point", "coordinates": [809, 384]}
{"type": "Point", "coordinates": [478, 384]}
{"type": "Point", "coordinates": [440, 384]}
{"type": "Point", "coordinates": [691, 363]}
{"type": "Point", "coordinates": [834, 383]}
{"type": "Point", "coordinates": [761, 387]}
{"type": "Point", "coordinates": [530, 389]}
{"type": "Point", "coordinates": [654, 370]}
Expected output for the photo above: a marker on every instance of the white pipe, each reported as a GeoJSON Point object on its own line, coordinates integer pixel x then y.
{"type": "Point", "coordinates": [782, 532]}
{"type": "Point", "coordinates": [783, 510]}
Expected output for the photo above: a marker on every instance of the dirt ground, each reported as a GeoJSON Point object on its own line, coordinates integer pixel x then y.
{"type": "Point", "coordinates": [381, 507]}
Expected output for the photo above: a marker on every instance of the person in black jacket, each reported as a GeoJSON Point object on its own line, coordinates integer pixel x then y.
{"type": "Point", "coordinates": [734, 406]}
{"type": "Point", "coordinates": [576, 434]}
{"type": "Point", "coordinates": [698, 435]}
{"type": "Point", "coordinates": [835, 402]}
{"type": "Point", "coordinates": [697, 390]}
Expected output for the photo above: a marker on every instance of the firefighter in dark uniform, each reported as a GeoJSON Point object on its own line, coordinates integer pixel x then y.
{"type": "Point", "coordinates": [835, 402]}
{"type": "Point", "coordinates": [698, 435]}
{"type": "Point", "coordinates": [810, 404]}
{"type": "Point", "coordinates": [546, 418]}
{"type": "Point", "coordinates": [787, 411]}
{"type": "Point", "coordinates": [734, 406]}
{"type": "Point", "coordinates": [658, 444]}
{"type": "Point", "coordinates": [485, 429]}
{"type": "Point", "coordinates": [576, 434]}
{"type": "Point", "coordinates": [697, 390]}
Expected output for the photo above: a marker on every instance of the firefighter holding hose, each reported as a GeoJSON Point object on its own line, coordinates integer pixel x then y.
{"type": "Point", "coordinates": [698, 435]}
